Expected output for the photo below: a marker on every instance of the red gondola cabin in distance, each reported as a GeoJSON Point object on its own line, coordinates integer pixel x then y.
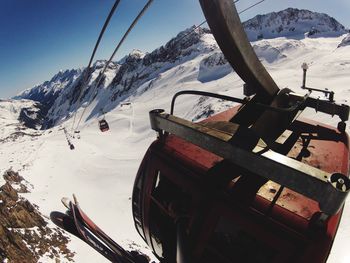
{"type": "Point", "coordinates": [103, 125]}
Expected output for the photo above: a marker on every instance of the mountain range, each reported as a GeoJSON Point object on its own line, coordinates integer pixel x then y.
{"type": "Point", "coordinates": [65, 93]}
{"type": "Point", "coordinates": [35, 149]}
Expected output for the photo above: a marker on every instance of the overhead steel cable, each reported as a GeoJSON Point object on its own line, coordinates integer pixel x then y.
{"type": "Point", "coordinates": [249, 7]}
{"type": "Point", "coordinates": [149, 2]}
{"type": "Point", "coordinates": [86, 75]}
{"type": "Point", "coordinates": [196, 27]}
{"type": "Point", "coordinates": [188, 33]}
{"type": "Point", "coordinates": [103, 29]}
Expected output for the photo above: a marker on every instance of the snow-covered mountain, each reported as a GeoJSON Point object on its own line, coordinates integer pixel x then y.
{"type": "Point", "coordinates": [47, 92]}
{"type": "Point", "coordinates": [65, 93]}
{"type": "Point", "coordinates": [293, 23]}
{"type": "Point", "coordinates": [21, 114]}
{"type": "Point", "coordinates": [25, 234]}
{"type": "Point", "coordinates": [101, 169]}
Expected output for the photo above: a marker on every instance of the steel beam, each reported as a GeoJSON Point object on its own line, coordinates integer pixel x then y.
{"type": "Point", "coordinates": [329, 190]}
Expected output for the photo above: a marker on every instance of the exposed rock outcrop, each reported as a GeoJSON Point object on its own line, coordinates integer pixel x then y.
{"type": "Point", "coordinates": [24, 234]}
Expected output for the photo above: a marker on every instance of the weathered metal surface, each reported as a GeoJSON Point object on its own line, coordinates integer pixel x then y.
{"type": "Point", "coordinates": [325, 106]}
{"type": "Point", "coordinates": [321, 150]}
{"type": "Point", "coordinates": [295, 175]}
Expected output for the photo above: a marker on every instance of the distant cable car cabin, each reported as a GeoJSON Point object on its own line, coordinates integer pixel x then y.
{"type": "Point", "coordinates": [103, 125]}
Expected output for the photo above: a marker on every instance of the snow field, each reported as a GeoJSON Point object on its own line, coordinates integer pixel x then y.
{"type": "Point", "coordinates": [102, 168]}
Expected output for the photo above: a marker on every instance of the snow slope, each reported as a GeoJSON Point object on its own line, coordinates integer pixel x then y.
{"type": "Point", "coordinates": [101, 169]}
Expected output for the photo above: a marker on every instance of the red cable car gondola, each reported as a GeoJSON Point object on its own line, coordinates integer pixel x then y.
{"type": "Point", "coordinates": [103, 125]}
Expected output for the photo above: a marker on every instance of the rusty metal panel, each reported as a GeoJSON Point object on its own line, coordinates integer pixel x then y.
{"type": "Point", "coordinates": [297, 176]}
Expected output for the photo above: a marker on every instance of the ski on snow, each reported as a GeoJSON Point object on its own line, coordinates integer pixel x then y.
{"type": "Point", "coordinates": [76, 222]}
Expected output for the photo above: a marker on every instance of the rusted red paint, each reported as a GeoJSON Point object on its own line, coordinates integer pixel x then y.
{"type": "Point", "coordinates": [288, 224]}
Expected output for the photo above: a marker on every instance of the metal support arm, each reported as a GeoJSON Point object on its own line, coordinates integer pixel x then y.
{"type": "Point", "coordinates": [329, 190]}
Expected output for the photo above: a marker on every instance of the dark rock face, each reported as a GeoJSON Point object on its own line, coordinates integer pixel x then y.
{"type": "Point", "coordinates": [34, 117]}
{"type": "Point", "coordinates": [47, 92]}
{"type": "Point", "coordinates": [24, 235]}
{"type": "Point", "coordinates": [136, 69]}
{"type": "Point", "coordinates": [176, 47]}
{"type": "Point", "coordinates": [68, 90]}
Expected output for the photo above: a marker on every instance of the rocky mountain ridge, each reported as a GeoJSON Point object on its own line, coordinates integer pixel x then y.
{"type": "Point", "coordinates": [293, 23]}
{"type": "Point", "coordinates": [24, 234]}
{"type": "Point", "coordinates": [47, 92]}
{"type": "Point", "coordinates": [65, 93]}
{"type": "Point", "coordinates": [120, 79]}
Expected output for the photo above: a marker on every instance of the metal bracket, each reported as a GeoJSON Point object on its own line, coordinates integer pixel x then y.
{"type": "Point", "coordinates": [329, 190]}
{"type": "Point", "coordinates": [326, 92]}
{"type": "Point", "coordinates": [324, 106]}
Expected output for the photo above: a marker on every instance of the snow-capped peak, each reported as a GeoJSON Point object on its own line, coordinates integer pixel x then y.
{"type": "Point", "coordinates": [48, 91]}
{"type": "Point", "coordinates": [134, 54]}
{"type": "Point", "coordinates": [64, 94]}
{"type": "Point", "coordinates": [137, 53]}
{"type": "Point", "coordinates": [293, 23]}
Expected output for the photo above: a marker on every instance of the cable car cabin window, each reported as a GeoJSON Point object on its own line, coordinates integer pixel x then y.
{"type": "Point", "coordinates": [167, 202]}
{"type": "Point", "coordinates": [230, 243]}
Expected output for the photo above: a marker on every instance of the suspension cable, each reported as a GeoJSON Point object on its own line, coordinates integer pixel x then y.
{"type": "Point", "coordinates": [113, 54]}
{"type": "Point", "coordinates": [127, 33]}
{"type": "Point", "coordinates": [87, 72]}
{"type": "Point", "coordinates": [188, 33]}
{"type": "Point", "coordinates": [249, 7]}
{"type": "Point", "coordinates": [244, 10]}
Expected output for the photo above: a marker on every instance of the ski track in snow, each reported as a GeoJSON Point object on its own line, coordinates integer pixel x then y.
{"type": "Point", "coordinates": [102, 168]}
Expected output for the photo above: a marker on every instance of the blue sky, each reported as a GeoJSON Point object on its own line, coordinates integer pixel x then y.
{"type": "Point", "coordinates": [40, 37]}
